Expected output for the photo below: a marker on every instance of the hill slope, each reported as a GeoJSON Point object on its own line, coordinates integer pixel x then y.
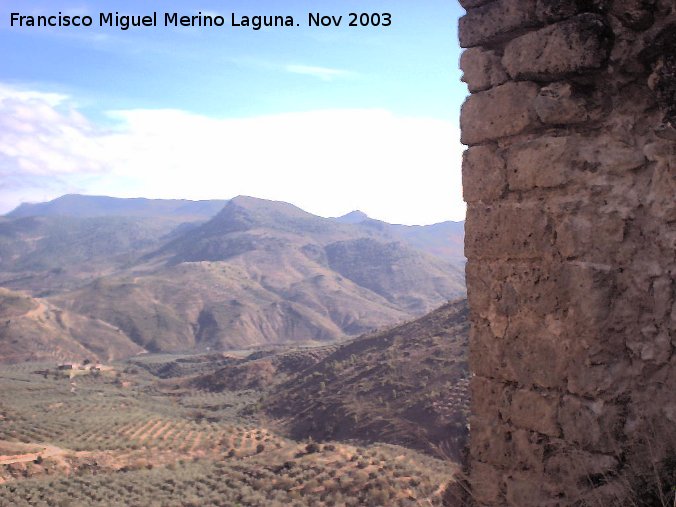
{"type": "Point", "coordinates": [407, 385]}
{"type": "Point", "coordinates": [34, 330]}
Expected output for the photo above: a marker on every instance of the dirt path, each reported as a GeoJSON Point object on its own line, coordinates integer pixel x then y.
{"type": "Point", "coordinates": [39, 311]}
{"type": "Point", "coordinates": [46, 452]}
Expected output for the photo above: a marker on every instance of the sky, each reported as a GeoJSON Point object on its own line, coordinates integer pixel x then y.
{"type": "Point", "coordinates": [330, 118]}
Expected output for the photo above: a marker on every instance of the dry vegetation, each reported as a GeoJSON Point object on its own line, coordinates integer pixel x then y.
{"type": "Point", "coordinates": [407, 385]}
{"type": "Point", "coordinates": [128, 437]}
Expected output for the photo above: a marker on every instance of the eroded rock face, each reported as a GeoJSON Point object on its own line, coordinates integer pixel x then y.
{"type": "Point", "coordinates": [570, 180]}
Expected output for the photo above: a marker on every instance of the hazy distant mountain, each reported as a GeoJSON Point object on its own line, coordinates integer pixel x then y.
{"type": "Point", "coordinates": [445, 239]}
{"type": "Point", "coordinates": [258, 272]}
{"type": "Point", "coordinates": [45, 254]}
{"type": "Point", "coordinates": [89, 206]}
{"type": "Point", "coordinates": [74, 239]}
{"type": "Point", "coordinates": [353, 217]}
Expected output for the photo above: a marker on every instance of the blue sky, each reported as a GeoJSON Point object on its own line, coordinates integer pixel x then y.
{"type": "Point", "coordinates": [330, 118]}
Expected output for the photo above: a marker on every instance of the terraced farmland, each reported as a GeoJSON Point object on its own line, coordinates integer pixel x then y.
{"type": "Point", "coordinates": [130, 437]}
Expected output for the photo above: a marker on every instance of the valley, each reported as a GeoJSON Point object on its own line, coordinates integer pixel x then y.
{"type": "Point", "coordinates": [240, 352]}
{"type": "Point", "coordinates": [208, 429]}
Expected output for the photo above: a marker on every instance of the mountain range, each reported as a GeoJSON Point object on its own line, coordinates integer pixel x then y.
{"type": "Point", "coordinates": [171, 275]}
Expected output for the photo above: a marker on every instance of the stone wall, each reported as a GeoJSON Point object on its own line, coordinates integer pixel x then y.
{"type": "Point", "coordinates": [570, 180]}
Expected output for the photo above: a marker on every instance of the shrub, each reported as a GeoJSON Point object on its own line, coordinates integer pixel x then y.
{"type": "Point", "coordinates": [312, 447]}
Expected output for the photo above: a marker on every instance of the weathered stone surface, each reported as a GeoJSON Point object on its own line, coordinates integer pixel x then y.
{"type": "Point", "coordinates": [587, 237]}
{"type": "Point", "coordinates": [487, 351]}
{"type": "Point", "coordinates": [562, 103]}
{"type": "Point", "coordinates": [550, 11]}
{"type": "Point", "coordinates": [662, 154]}
{"type": "Point", "coordinates": [572, 469]}
{"type": "Point", "coordinates": [524, 489]}
{"type": "Point", "coordinates": [660, 56]}
{"type": "Point", "coordinates": [591, 425]}
{"type": "Point", "coordinates": [495, 20]}
{"type": "Point", "coordinates": [535, 411]}
{"type": "Point", "coordinates": [555, 10]}
{"type": "Point", "coordinates": [635, 14]}
{"type": "Point", "coordinates": [483, 174]}
{"type": "Point", "coordinates": [492, 440]}
{"type": "Point", "coordinates": [541, 163]}
{"type": "Point", "coordinates": [528, 450]}
{"type": "Point", "coordinates": [572, 46]}
{"type": "Point", "coordinates": [550, 161]}
{"type": "Point", "coordinates": [535, 357]}
{"type": "Point", "coordinates": [530, 231]}
{"type": "Point", "coordinates": [481, 69]}
{"type": "Point", "coordinates": [502, 111]}
{"type": "Point", "coordinates": [571, 247]}
{"type": "Point", "coordinates": [486, 484]}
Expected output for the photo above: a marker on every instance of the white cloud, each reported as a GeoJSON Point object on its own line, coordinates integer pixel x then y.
{"type": "Point", "coordinates": [323, 73]}
{"type": "Point", "coordinates": [399, 169]}
{"type": "Point", "coordinates": [42, 134]}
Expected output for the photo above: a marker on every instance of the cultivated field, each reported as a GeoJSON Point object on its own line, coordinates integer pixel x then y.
{"type": "Point", "coordinates": [136, 435]}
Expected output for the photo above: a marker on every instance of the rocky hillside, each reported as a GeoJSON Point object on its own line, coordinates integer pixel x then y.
{"type": "Point", "coordinates": [407, 385]}
{"type": "Point", "coordinates": [35, 330]}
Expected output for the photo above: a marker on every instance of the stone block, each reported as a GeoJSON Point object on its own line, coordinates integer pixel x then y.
{"type": "Point", "coordinates": [544, 162]}
{"type": "Point", "coordinates": [491, 442]}
{"type": "Point", "coordinates": [549, 11]}
{"type": "Point", "coordinates": [591, 379]}
{"type": "Point", "coordinates": [495, 21]}
{"type": "Point", "coordinates": [537, 286]}
{"type": "Point", "coordinates": [524, 489]}
{"type": "Point", "coordinates": [662, 155]}
{"type": "Point", "coordinates": [535, 411]}
{"type": "Point", "coordinates": [590, 288]}
{"type": "Point", "coordinates": [594, 426]}
{"type": "Point", "coordinates": [554, 161]}
{"type": "Point", "coordinates": [574, 469]}
{"type": "Point", "coordinates": [534, 356]}
{"type": "Point", "coordinates": [608, 154]}
{"type": "Point", "coordinates": [589, 236]}
{"type": "Point", "coordinates": [482, 69]}
{"type": "Point", "coordinates": [487, 353]}
{"type": "Point", "coordinates": [650, 344]}
{"type": "Point", "coordinates": [503, 111]}
{"type": "Point", "coordinates": [490, 396]}
{"type": "Point", "coordinates": [483, 174]}
{"type": "Point", "coordinates": [514, 231]}
{"type": "Point", "coordinates": [528, 449]}
{"type": "Point", "coordinates": [479, 279]}
{"type": "Point", "coordinates": [634, 14]}
{"type": "Point", "coordinates": [486, 484]}
{"type": "Point", "coordinates": [563, 103]}
{"type": "Point", "coordinates": [576, 45]}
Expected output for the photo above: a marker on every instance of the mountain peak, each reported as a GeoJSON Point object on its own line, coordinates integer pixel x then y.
{"type": "Point", "coordinates": [266, 206]}
{"type": "Point", "coordinates": [353, 217]}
